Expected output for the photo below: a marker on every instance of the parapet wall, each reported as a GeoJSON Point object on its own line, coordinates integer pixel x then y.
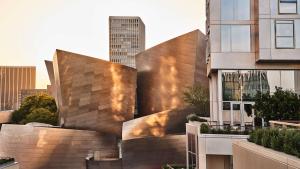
{"type": "Point", "coordinates": [248, 155]}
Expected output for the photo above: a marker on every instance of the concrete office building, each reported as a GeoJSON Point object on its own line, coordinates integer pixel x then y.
{"type": "Point", "coordinates": [12, 80]}
{"type": "Point", "coordinates": [126, 39]}
{"type": "Point", "coordinates": [252, 45]}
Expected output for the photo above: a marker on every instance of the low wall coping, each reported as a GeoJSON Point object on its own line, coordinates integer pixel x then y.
{"type": "Point", "coordinates": [269, 153]}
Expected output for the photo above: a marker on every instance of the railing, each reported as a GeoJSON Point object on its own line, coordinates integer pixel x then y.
{"type": "Point", "coordinates": [285, 124]}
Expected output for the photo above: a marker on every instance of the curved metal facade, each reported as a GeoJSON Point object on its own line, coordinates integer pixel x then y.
{"type": "Point", "coordinates": [165, 71]}
{"type": "Point", "coordinates": [93, 94]}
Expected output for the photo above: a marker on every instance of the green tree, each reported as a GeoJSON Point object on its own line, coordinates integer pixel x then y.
{"type": "Point", "coordinates": [282, 105]}
{"type": "Point", "coordinates": [198, 96]}
{"type": "Point", "coordinates": [41, 115]}
{"type": "Point", "coordinates": [36, 108]}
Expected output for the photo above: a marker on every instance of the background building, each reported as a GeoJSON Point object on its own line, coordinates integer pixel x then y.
{"type": "Point", "coordinates": [126, 39]}
{"type": "Point", "coordinates": [23, 93]}
{"type": "Point", "coordinates": [12, 80]}
{"type": "Point", "coordinates": [253, 45]}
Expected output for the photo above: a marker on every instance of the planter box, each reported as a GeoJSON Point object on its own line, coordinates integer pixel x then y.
{"type": "Point", "coordinates": [248, 155]}
{"type": "Point", "coordinates": [10, 165]}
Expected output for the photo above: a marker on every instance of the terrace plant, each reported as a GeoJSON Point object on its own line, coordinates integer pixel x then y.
{"type": "Point", "coordinates": [284, 140]}
{"type": "Point", "coordinates": [206, 129]}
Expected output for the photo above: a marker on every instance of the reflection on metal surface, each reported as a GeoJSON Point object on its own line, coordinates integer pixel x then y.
{"type": "Point", "coordinates": [153, 152]}
{"type": "Point", "coordinates": [55, 148]}
{"type": "Point", "coordinates": [157, 125]}
{"type": "Point", "coordinates": [165, 71]}
{"type": "Point", "coordinates": [92, 93]}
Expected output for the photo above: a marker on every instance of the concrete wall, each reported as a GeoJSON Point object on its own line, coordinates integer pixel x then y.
{"type": "Point", "coordinates": [268, 14]}
{"type": "Point", "coordinates": [93, 94]}
{"type": "Point", "coordinates": [53, 148]}
{"type": "Point", "coordinates": [217, 162]}
{"type": "Point", "coordinates": [248, 155]}
{"type": "Point", "coordinates": [157, 125]}
{"type": "Point", "coordinates": [165, 71]}
{"type": "Point", "coordinates": [153, 152]}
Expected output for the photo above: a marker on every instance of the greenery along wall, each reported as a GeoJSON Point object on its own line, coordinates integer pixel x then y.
{"type": "Point", "coordinates": [37, 108]}
{"type": "Point", "coordinates": [284, 140]}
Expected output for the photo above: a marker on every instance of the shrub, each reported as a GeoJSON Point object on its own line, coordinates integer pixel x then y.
{"type": "Point", "coordinates": [41, 115]}
{"type": "Point", "coordinates": [6, 160]}
{"type": "Point", "coordinates": [258, 136]}
{"type": "Point", "coordinates": [284, 140]}
{"type": "Point", "coordinates": [36, 108]}
{"type": "Point", "coordinates": [288, 142]}
{"type": "Point", "coordinates": [204, 128]}
{"type": "Point", "coordinates": [277, 140]}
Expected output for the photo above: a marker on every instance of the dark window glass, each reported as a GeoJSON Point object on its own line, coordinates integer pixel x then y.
{"type": "Point", "coordinates": [236, 106]}
{"type": "Point", "coordinates": [226, 105]}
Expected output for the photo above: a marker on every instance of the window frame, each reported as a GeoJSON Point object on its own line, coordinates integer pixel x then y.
{"type": "Point", "coordinates": [231, 35]}
{"type": "Point", "coordinates": [282, 13]}
{"type": "Point", "coordinates": [235, 9]}
{"type": "Point", "coordinates": [192, 150]}
{"type": "Point", "coordinates": [276, 36]}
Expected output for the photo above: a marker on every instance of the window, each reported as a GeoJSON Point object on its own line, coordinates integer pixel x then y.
{"type": "Point", "coordinates": [288, 6]}
{"type": "Point", "coordinates": [284, 31]}
{"type": "Point", "coordinates": [235, 38]}
{"type": "Point", "coordinates": [235, 9]}
{"type": "Point", "coordinates": [192, 153]}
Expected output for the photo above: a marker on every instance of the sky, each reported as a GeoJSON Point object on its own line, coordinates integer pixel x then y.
{"type": "Point", "coordinates": [31, 30]}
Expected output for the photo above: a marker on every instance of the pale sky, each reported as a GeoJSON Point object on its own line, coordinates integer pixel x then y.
{"type": "Point", "coordinates": [31, 30]}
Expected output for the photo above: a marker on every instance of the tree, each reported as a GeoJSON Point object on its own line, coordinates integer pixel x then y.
{"type": "Point", "coordinates": [41, 115]}
{"type": "Point", "coordinates": [197, 96]}
{"type": "Point", "coordinates": [36, 108]}
{"type": "Point", "coordinates": [282, 105]}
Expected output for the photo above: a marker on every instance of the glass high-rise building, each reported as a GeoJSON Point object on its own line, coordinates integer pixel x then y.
{"type": "Point", "coordinates": [12, 80]}
{"type": "Point", "coordinates": [126, 39]}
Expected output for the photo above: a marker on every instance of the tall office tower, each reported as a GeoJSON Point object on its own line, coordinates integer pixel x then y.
{"type": "Point", "coordinates": [12, 80]}
{"type": "Point", "coordinates": [126, 39]}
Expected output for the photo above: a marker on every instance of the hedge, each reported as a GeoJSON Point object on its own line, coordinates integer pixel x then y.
{"type": "Point", "coordinates": [205, 129]}
{"type": "Point", "coordinates": [284, 140]}
{"type": "Point", "coordinates": [6, 160]}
